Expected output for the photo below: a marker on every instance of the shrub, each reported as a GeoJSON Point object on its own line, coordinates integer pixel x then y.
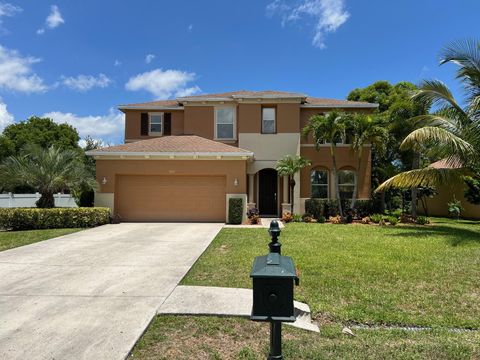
{"type": "Point", "coordinates": [336, 219]}
{"type": "Point", "coordinates": [36, 218]}
{"type": "Point", "coordinates": [235, 210]}
{"type": "Point", "coordinates": [253, 216]}
{"type": "Point", "coordinates": [307, 218]}
{"type": "Point", "coordinates": [324, 207]}
{"type": "Point", "coordinates": [364, 208]}
{"type": "Point", "coordinates": [455, 208]}
{"type": "Point", "coordinates": [376, 218]}
{"type": "Point", "coordinates": [297, 218]}
{"type": "Point", "coordinates": [423, 220]}
{"type": "Point", "coordinates": [321, 219]}
{"type": "Point", "coordinates": [407, 219]}
{"type": "Point", "coordinates": [393, 220]}
{"type": "Point", "coordinates": [287, 217]}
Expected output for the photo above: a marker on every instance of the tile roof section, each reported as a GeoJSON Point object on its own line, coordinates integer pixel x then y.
{"type": "Point", "coordinates": [247, 93]}
{"type": "Point", "coordinates": [172, 144]}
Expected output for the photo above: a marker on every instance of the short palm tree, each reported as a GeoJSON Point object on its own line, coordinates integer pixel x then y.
{"type": "Point", "coordinates": [46, 170]}
{"type": "Point", "coordinates": [330, 129]}
{"type": "Point", "coordinates": [452, 132]}
{"type": "Point", "coordinates": [365, 130]}
{"type": "Point", "coordinates": [289, 166]}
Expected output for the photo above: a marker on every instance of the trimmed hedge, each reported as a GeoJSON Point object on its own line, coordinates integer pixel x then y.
{"type": "Point", "coordinates": [329, 207]}
{"type": "Point", "coordinates": [34, 218]}
{"type": "Point", "coordinates": [235, 211]}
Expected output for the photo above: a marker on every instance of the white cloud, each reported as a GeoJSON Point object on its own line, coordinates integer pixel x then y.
{"type": "Point", "coordinates": [107, 128]}
{"type": "Point", "coordinates": [149, 58]}
{"type": "Point", "coordinates": [16, 72]}
{"type": "Point", "coordinates": [163, 84]}
{"type": "Point", "coordinates": [117, 62]}
{"type": "Point", "coordinates": [53, 20]}
{"type": "Point", "coordinates": [8, 10]}
{"type": "Point", "coordinates": [86, 82]}
{"type": "Point", "coordinates": [190, 27]}
{"type": "Point", "coordinates": [5, 117]}
{"type": "Point", "coordinates": [328, 15]}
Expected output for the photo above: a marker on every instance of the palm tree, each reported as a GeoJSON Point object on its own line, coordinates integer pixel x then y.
{"type": "Point", "coordinates": [47, 170]}
{"type": "Point", "coordinates": [452, 132]}
{"type": "Point", "coordinates": [365, 130]}
{"type": "Point", "coordinates": [330, 129]}
{"type": "Point", "coordinates": [289, 166]}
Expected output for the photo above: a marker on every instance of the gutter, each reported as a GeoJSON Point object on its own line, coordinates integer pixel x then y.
{"type": "Point", "coordinates": [355, 106]}
{"type": "Point", "coordinates": [174, 154]}
{"type": "Point", "coordinates": [145, 107]}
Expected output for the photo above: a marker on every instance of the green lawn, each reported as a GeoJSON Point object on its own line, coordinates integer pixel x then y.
{"type": "Point", "coordinates": [12, 239]}
{"type": "Point", "coordinates": [404, 275]}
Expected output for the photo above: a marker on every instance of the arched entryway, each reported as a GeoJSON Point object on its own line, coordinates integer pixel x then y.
{"type": "Point", "coordinates": [268, 192]}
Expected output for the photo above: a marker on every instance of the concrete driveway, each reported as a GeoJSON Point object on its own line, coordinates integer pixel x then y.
{"type": "Point", "coordinates": [90, 295]}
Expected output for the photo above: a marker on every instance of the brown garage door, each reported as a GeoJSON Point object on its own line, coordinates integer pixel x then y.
{"type": "Point", "coordinates": [170, 198]}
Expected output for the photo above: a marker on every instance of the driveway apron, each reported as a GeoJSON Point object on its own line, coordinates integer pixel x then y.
{"type": "Point", "coordinates": [91, 294]}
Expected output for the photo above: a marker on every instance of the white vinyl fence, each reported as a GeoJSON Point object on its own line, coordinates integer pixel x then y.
{"type": "Point", "coordinates": [28, 200]}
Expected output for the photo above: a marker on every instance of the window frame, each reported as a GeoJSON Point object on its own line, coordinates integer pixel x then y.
{"type": "Point", "coordinates": [347, 184]}
{"type": "Point", "coordinates": [274, 107]}
{"type": "Point", "coordinates": [327, 185]}
{"type": "Point", "coordinates": [162, 117]}
{"type": "Point", "coordinates": [234, 127]}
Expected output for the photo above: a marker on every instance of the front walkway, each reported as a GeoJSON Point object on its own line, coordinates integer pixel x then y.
{"type": "Point", "coordinates": [91, 294]}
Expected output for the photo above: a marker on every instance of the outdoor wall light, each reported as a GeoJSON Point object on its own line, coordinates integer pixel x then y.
{"type": "Point", "coordinates": [235, 182]}
{"type": "Point", "coordinates": [104, 180]}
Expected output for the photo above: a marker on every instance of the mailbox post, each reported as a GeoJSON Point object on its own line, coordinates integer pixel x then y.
{"type": "Point", "coordinates": [273, 277]}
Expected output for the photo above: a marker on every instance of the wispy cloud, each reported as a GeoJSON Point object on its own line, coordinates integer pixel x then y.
{"type": "Point", "coordinates": [53, 20]}
{"type": "Point", "coordinates": [84, 83]}
{"type": "Point", "coordinates": [7, 10]}
{"type": "Point", "coordinates": [117, 62]}
{"type": "Point", "coordinates": [328, 15]}
{"type": "Point", "coordinates": [108, 128]}
{"type": "Point", "coordinates": [16, 72]}
{"type": "Point", "coordinates": [149, 58]}
{"type": "Point", "coordinates": [164, 84]}
{"type": "Point", "coordinates": [5, 117]}
{"type": "Point", "coordinates": [190, 27]}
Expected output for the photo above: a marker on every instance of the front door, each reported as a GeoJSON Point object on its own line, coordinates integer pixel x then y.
{"type": "Point", "coordinates": [267, 192]}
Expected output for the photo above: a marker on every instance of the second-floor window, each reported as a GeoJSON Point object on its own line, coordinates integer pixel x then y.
{"type": "Point", "coordinates": [156, 124]}
{"type": "Point", "coordinates": [268, 120]}
{"type": "Point", "coordinates": [225, 123]}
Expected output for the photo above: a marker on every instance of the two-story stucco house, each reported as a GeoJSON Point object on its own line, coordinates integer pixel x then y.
{"type": "Point", "coordinates": [183, 159]}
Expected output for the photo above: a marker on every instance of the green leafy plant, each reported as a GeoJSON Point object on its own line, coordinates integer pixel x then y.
{"type": "Point", "coordinates": [33, 218]}
{"type": "Point", "coordinates": [235, 211]}
{"type": "Point", "coordinates": [472, 193]}
{"type": "Point", "coordinates": [393, 220]}
{"type": "Point", "coordinates": [422, 220]}
{"type": "Point", "coordinates": [321, 219]}
{"type": "Point", "coordinates": [376, 218]}
{"type": "Point", "coordinates": [297, 218]}
{"type": "Point", "coordinates": [455, 208]}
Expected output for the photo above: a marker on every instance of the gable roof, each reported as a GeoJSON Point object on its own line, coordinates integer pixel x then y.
{"type": "Point", "coordinates": [305, 100]}
{"type": "Point", "coordinates": [181, 145]}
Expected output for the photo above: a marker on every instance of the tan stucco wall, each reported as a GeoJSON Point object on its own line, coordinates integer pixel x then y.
{"type": "Point", "coordinates": [345, 160]}
{"type": "Point", "coordinates": [437, 206]}
{"type": "Point", "coordinates": [199, 120]}
{"type": "Point", "coordinates": [249, 118]}
{"type": "Point", "coordinates": [133, 123]}
{"type": "Point", "coordinates": [230, 168]}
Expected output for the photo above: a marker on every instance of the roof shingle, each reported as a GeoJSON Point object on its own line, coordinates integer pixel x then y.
{"type": "Point", "coordinates": [173, 144]}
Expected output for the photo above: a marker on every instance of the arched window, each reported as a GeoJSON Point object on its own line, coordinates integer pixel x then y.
{"type": "Point", "coordinates": [346, 183]}
{"type": "Point", "coordinates": [319, 183]}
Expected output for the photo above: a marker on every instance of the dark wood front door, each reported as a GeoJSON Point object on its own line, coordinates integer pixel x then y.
{"type": "Point", "coordinates": [267, 192]}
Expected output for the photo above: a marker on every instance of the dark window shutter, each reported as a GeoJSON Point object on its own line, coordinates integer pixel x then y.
{"type": "Point", "coordinates": [167, 124]}
{"type": "Point", "coordinates": [144, 124]}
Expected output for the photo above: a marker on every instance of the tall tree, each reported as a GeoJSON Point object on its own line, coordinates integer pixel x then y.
{"type": "Point", "coordinates": [289, 166]}
{"type": "Point", "coordinates": [452, 132]}
{"type": "Point", "coordinates": [36, 130]}
{"type": "Point", "coordinates": [365, 130]}
{"type": "Point", "coordinates": [330, 129]}
{"type": "Point", "coordinates": [395, 108]}
{"type": "Point", "coordinates": [47, 171]}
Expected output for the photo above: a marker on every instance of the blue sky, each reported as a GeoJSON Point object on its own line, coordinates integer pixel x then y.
{"type": "Point", "coordinates": [77, 60]}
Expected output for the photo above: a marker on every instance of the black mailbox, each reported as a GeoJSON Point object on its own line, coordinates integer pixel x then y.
{"type": "Point", "coordinates": [273, 278]}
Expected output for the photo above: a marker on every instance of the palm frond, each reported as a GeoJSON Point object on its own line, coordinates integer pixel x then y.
{"type": "Point", "coordinates": [437, 142]}
{"type": "Point", "coordinates": [434, 93]}
{"type": "Point", "coordinates": [422, 177]}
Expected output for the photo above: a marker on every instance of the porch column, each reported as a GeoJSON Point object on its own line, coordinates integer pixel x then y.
{"type": "Point", "coordinates": [285, 190]}
{"type": "Point", "coordinates": [251, 182]}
